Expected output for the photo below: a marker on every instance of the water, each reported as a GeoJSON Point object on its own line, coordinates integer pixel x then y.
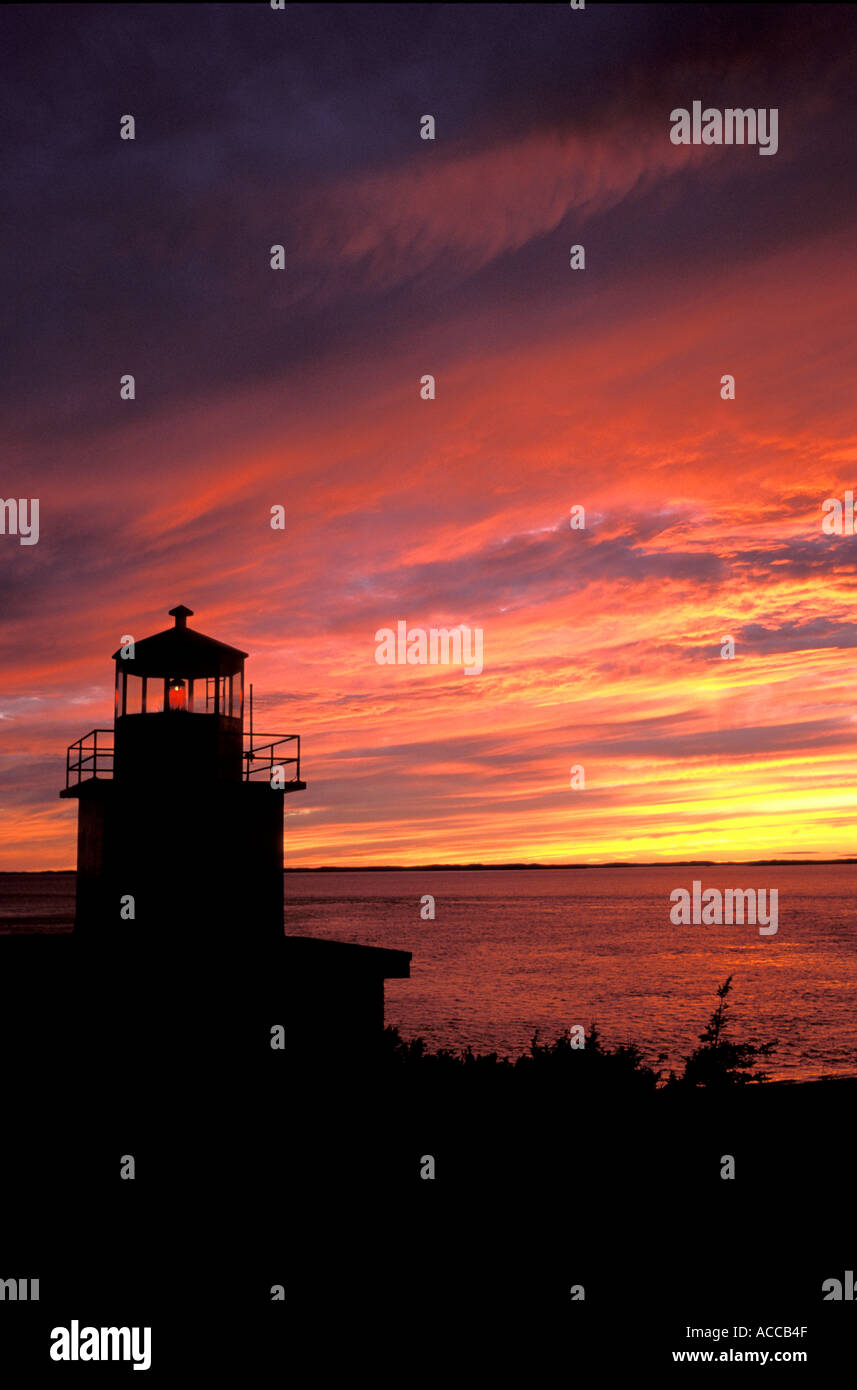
{"type": "Point", "coordinates": [514, 951]}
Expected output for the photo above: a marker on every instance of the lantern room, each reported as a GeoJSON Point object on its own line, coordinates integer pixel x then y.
{"type": "Point", "coordinates": [179, 671]}
{"type": "Point", "coordinates": [178, 706]}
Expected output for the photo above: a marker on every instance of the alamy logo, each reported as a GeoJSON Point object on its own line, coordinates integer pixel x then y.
{"type": "Point", "coordinates": [733, 126]}
{"type": "Point", "coordinates": [835, 1293]}
{"type": "Point", "coordinates": [16, 1290]}
{"type": "Point", "coordinates": [709, 909]}
{"type": "Point", "coordinates": [838, 519]}
{"type": "Point", "coordinates": [102, 1344]}
{"type": "Point", "coordinates": [13, 519]}
{"type": "Point", "coordinates": [440, 646]}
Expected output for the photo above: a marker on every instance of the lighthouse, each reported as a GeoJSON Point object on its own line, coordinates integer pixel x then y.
{"type": "Point", "coordinates": [180, 807]}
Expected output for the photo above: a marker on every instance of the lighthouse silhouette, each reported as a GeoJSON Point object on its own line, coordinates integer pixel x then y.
{"type": "Point", "coordinates": [180, 844]}
{"type": "Point", "coordinates": [180, 820]}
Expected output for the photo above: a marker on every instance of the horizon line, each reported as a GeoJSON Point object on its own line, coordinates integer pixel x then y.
{"type": "Point", "coordinates": [520, 864]}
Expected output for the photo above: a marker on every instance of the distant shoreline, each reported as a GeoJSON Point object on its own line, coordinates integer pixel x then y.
{"type": "Point", "coordinates": [622, 863]}
{"type": "Point", "coordinates": [617, 864]}
{"type": "Point", "coordinates": [476, 865]}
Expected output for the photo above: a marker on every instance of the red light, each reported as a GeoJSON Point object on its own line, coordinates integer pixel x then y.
{"type": "Point", "coordinates": [178, 695]}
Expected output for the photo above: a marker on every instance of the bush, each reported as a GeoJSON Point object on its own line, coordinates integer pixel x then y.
{"type": "Point", "coordinates": [719, 1061]}
{"type": "Point", "coordinates": [593, 1065]}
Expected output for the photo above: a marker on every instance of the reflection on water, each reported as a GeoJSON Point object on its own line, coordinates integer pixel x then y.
{"type": "Point", "coordinates": [512, 951]}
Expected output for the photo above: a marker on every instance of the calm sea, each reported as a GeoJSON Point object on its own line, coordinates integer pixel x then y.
{"type": "Point", "coordinates": [513, 951]}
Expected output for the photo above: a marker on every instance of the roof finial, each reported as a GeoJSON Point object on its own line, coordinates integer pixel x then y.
{"type": "Point", "coordinates": [181, 615]}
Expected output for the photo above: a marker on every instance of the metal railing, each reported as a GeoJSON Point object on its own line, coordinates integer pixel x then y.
{"type": "Point", "coordinates": [93, 758]}
{"type": "Point", "coordinates": [263, 757]}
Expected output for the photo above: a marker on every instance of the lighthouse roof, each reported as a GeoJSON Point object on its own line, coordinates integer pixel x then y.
{"type": "Point", "coordinates": [182, 651]}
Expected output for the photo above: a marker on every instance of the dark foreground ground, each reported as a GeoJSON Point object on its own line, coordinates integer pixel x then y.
{"type": "Point", "coordinates": [255, 1170]}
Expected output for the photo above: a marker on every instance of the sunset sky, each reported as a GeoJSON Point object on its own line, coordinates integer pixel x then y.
{"type": "Point", "coordinates": [598, 387]}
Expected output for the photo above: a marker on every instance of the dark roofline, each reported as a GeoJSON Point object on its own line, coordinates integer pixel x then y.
{"type": "Point", "coordinates": [349, 956]}
{"type": "Point", "coordinates": [182, 651]}
{"type": "Point", "coordinates": [179, 635]}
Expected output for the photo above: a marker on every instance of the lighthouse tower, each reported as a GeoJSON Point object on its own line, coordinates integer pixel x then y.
{"type": "Point", "coordinates": [180, 819]}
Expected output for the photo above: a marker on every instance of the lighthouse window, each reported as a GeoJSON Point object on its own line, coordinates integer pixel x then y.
{"type": "Point", "coordinates": [154, 695]}
{"type": "Point", "coordinates": [133, 694]}
{"type": "Point", "coordinates": [211, 689]}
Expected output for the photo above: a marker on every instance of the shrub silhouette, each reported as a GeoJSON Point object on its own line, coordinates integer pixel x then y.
{"type": "Point", "coordinates": [621, 1070]}
{"type": "Point", "coordinates": [559, 1062]}
{"type": "Point", "coordinates": [719, 1061]}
